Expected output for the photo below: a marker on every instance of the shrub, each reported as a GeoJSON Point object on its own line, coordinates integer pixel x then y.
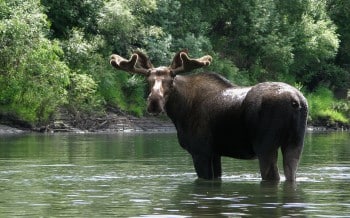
{"type": "Point", "coordinates": [227, 68]}
{"type": "Point", "coordinates": [32, 76]}
{"type": "Point", "coordinates": [123, 91]}
{"type": "Point", "coordinates": [83, 98]}
{"type": "Point", "coordinates": [333, 116]}
{"type": "Point", "coordinates": [322, 108]}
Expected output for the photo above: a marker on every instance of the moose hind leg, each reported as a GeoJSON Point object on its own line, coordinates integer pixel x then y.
{"type": "Point", "coordinates": [268, 166]}
{"type": "Point", "coordinates": [207, 167]}
{"type": "Point", "coordinates": [291, 154]}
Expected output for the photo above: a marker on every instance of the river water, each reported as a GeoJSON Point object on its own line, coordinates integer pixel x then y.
{"type": "Point", "coordinates": [150, 175]}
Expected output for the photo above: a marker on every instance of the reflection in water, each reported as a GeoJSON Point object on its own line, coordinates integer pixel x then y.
{"type": "Point", "coordinates": [130, 175]}
{"type": "Point", "coordinates": [232, 199]}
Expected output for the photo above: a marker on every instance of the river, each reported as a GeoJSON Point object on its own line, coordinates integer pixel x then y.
{"type": "Point", "coordinates": [150, 175]}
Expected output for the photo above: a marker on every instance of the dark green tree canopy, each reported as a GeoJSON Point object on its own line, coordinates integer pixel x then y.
{"type": "Point", "coordinates": [54, 53]}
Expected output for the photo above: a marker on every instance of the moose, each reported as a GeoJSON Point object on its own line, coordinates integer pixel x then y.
{"type": "Point", "coordinates": [216, 118]}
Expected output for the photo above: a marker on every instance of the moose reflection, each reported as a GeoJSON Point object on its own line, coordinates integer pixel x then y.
{"type": "Point", "coordinates": [216, 118]}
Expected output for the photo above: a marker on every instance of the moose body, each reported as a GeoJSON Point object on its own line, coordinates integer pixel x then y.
{"type": "Point", "coordinates": [215, 118]}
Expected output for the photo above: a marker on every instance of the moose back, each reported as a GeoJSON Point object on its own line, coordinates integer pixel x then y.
{"type": "Point", "coordinates": [215, 118]}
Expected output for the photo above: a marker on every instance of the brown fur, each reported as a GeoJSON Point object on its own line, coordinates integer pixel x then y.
{"type": "Point", "coordinates": [215, 118]}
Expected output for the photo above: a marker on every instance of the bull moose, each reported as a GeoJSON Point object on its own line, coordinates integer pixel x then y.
{"type": "Point", "coordinates": [216, 118]}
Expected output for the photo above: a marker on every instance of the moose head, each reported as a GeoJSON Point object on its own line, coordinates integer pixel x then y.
{"type": "Point", "coordinates": [160, 79]}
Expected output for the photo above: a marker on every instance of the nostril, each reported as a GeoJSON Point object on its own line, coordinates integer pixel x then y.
{"type": "Point", "coordinates": [155, 104]}
{"type": "Point", "coordinates": [151, 106]}
{"type": "Point", "coordinates": [154, 107]}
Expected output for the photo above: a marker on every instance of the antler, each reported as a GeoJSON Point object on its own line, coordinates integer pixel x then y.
{"type": "Point", "coordinates": [183, 63]}
{"type": "Point", "coordinates": [131, 65]}
{"type": "Point", "coordinates": [139, 63]}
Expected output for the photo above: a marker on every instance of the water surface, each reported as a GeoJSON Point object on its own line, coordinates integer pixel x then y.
{"type": "Point", "coordinates": [150, 175]}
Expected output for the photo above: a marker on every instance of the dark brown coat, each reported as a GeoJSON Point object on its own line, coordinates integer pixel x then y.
{"type": "Point", "coordinates": [215, 118]}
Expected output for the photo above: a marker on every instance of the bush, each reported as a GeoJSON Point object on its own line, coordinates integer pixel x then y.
{"type": "Point", "coordinates": [333, 117]}
{"type": "Point", "coordinates": [83, 98]}
{"type": "Point", "coordinates": [227, 69]}
{"type": "Point", "coordinates": [37, 87]}
{"type": "Point", "coordinates": [323, 110]}
{"type": "Point", "coordinates": [134, 89]}
{"type": "Point", "coordinates": [123, 91]}
{"type": "Point", "coordinates": [33, 78]}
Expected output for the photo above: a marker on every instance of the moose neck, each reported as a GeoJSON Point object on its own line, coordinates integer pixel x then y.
{"type": "Point", "coordinates": [188, 91]}
{"type": "Point", "coordinates": [176, 102]}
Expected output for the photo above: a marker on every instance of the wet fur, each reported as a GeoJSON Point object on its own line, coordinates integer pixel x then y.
{"type": "Point", "coordinates": [212, 123]}
{"type": "Point", "coordinates": [215, 118]}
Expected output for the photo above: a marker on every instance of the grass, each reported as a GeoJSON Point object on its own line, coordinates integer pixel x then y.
{"type": "Point", "coordinates": [322, 109]}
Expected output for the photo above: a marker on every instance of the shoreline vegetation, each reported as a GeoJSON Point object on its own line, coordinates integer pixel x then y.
{"type": "Point", "coordinates": [54, 54]}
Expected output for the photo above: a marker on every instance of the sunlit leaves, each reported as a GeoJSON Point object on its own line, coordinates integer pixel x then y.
{"type": "Point", "coordinates": [83, 96]}
{"type": "Point", "coordinates": [55, 52]}
{"type": "Point", "coordinates": [33, 78]}
{"type": "Point", "coordinates": [322, 106]}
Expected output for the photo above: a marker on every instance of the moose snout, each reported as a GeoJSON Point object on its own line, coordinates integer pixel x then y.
{"type": "Point", "coordinates": [155, 104]}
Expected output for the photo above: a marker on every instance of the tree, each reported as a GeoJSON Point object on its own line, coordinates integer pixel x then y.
{"type": "Point", "coordinates": [276, 39]}
{"type": "Point", "coordinates": [32, 76]}
{"type": "Point", "coordinates": [55, 53]}
{"type": "Point", "coordinates": [339, 12]}
{"type": "Point", "coordinates": [66, 15]}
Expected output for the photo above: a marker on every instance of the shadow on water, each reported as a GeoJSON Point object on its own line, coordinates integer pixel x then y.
{"type": "Point", "coordinates": [236, 199]}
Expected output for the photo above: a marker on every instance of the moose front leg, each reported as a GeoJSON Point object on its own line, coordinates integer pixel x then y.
{"type": "Point", "coordinates": [207, 167]}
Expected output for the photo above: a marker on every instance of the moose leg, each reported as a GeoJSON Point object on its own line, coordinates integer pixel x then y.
{"type": "Point", "coordinates": [268, 166]}
{"type": "Point", "coordinates": [291, 154]}
{"type": "Point", "coordinates": [207, 167]}
{"type": "Point", "coordinates": [216, 161]}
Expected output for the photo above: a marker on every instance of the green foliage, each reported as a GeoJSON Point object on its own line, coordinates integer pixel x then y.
{"type": "Point", "coordinates": [333, 116]}
{"type": "Point", "coordinates": [227, 69]}
{"type": "Point", "coordinates": [83, 97]}
{"type": "Point", "coordinates": [197, 45]}
{"type": "Point", "coordinates": [110, 87]}
{"type": "Point", "coordinates": [256, 35]}
{"type": "Point", "coordinates": [32, 78]}
{"type": "Point", "coordinates": [55, 53]}
{"type": "Point", "coordinates": [156, 43]}
{"type": "Point", "coordinates": [134, 90]}
{"type": "Point", "coordinates": [276, 39]}
{"type": "Point", "coordinates": [317, 44]}
{"type": "Point", "coordinates": [66, 15]}
{"type": "Point", "coordinates": [118, 25]}
{"type": "Point", "coordinates": [121, 24]}
{"type": "Point", "coordinates": [339, 12]}
{"type": "Point", "coordinates": [123, 91]}
{"type": "Point", "coordinates": [323, 107]}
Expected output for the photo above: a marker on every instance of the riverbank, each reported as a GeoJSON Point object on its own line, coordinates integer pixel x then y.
{"type": "Point", "coordinates": [4, 129]}
{"type": "Point", "coordinates": [109, 123]}
{"type": "Point", "coordinates": [116, 122]}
